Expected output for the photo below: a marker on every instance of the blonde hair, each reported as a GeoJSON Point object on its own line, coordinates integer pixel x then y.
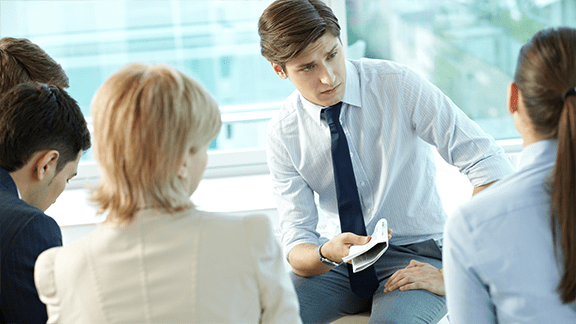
{"type": "Point", "coordinates": [145, 118]}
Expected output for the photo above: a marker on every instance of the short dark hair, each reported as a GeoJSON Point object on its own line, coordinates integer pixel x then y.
{"type": "Point", "coordinates": [21, 61]}
{"type": "Point", "coordinates": [36, 117]}
{"type": "Point", "coordinates": [287, 27]}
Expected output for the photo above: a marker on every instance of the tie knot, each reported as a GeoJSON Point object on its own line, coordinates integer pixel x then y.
{"type": "Point", "coordinates": [332, 113]}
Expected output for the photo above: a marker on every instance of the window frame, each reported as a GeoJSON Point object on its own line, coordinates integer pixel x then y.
{"type": "Point", "coordinates": [242, 162]}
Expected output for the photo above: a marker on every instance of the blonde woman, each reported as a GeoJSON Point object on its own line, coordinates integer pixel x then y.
{"type": "Point", "coordinates": [156, 258]}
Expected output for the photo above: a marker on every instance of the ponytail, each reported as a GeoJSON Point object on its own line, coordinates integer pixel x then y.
{"type": "Point", "coordinates": [546, 76]}
{"type": "Point", "coordinates": [564, 195]}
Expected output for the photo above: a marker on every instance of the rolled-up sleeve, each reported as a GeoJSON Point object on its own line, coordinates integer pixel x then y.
{"type": "Point", "coordinates": [458, 139]}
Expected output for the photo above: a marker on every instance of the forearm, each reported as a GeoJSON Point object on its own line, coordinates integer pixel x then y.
{"type": "Point", "coordinates": [480, 188]}
{"type": "Point", "coordinates": [304, 261]}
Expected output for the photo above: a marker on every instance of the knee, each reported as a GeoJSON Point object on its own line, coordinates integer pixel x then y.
{"type": "Point", "coordinates": [418, 307]}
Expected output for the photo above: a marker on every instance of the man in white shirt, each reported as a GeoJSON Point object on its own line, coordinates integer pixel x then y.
{"type": "Point", "coordinates": [390, 116]}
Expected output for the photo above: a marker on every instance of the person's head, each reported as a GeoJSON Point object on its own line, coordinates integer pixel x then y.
{"type": "Point", "coordinates": [543, 102]}
{"type": "Point", "coordinates": [546, 69]}
{"type": "Point", "coordinates": [152, 127]}
{"type": "Point", "coordinates": [42, 136]}
{"type": "Point", "coordinates": [22, 60]}
{"type": "Point", "coordinates": [301, 40]}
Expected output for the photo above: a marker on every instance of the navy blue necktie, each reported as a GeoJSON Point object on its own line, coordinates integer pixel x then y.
{"type": "Point", "coordinates": [363, 283]}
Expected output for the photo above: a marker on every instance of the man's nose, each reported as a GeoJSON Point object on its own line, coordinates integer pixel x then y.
{"type": "Point", "coordinates": [327, 76]}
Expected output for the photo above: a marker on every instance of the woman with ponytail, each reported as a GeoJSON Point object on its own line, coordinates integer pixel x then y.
{"type": "Point", "coordinates": [510, 252]}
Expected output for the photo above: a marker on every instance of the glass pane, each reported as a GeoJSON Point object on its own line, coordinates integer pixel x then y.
{"type": "Point", "coordinates": [215, 42]}
{"type": "Point", "coordinates": [468, 48]}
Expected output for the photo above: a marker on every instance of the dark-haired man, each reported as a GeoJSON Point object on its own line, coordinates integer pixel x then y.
{"type": "Point", "coordinates": [359, 135]}
{"type": "Point", "coordinates": [42, 136]}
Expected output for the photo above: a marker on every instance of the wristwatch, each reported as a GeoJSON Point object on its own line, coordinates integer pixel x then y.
{"type": "Point", "coordinates": [324, 260]}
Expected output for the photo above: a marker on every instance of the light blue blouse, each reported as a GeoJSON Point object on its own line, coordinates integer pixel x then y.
{"type": "Point", "coordinates": [391, 117]}
{"type": "Point", "coordinates": [499, 261]}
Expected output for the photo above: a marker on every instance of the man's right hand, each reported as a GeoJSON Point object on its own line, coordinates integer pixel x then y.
{"type": "Point", "coordinates": [304, 257]}
{"type": "Point", "coordinates": [339, 246]}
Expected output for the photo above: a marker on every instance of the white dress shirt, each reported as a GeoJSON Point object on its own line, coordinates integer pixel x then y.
{"type": "Point", "coordinates": [188, 267]}
{"type": "Point", "coordinates": [499, 261]}
{"type": "Point", "coordinates": [391, 116]}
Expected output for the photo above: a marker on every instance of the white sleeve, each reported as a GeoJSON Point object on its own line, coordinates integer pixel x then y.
{"type": "Point", "coordinates": [278, 300]}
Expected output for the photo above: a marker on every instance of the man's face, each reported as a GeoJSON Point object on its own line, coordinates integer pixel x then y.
{"type": "Point", "coordinates": [51, 189]}
{"type": "Point", "coordinates": [319, 72]}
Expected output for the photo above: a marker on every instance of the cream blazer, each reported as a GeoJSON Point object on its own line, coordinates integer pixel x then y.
{"type": "Point", "coordinates": [187, 267]}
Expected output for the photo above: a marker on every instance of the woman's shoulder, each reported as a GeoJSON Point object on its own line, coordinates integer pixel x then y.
{"type": "Point", "coordinates": [45, 261]}
{"type": "Point", "coordinates": [226, 222]}
{"type": "Point", "coordinates": [49, 263]}
{"type": "Point", "coordinates": [50, 258]}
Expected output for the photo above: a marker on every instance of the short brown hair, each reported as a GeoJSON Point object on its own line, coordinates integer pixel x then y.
{"type": "Point", "coordinates": [21, 61]}
{"type": "Point", "coordinates": [287, 27]}
{"type": "Point", "coordinates": [146, 118]}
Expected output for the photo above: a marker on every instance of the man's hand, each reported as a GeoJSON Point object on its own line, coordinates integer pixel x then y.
{"type": "Point", "coordinates": [339, 246]}
{"type": "Point", "coordinates": [417, 275]}
{"type": "Point", "coordinates": [304, 257]}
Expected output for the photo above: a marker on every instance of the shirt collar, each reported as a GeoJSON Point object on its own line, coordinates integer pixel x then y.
{"type": "Point", "coordinates": [540, 152]}
{"type": "Point", "coordinates": [351, 97]}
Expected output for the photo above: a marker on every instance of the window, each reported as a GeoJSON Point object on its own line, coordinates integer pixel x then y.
{"type": "Point", "coordinates": [468, 48]}
{"type": "Point", "coordinates": [216, 42]}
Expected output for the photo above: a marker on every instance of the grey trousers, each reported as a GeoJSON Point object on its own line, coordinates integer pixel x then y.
{"type": "Point", "coordinates": [327, 297]}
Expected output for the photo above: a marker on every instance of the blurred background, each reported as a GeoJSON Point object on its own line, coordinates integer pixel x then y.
{"type": "Point", "coordinates": [468, 48]}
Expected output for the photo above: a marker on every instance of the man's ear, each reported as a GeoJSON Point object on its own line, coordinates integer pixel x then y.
{"type": "Point", "coordinates": [45, 165]}
{"type": "Point", "coordinates": [512, 98]}
{"type": "Point", "coordinates": [279, 71]}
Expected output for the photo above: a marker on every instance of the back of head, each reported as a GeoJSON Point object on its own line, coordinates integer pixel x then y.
{"type": "Point", "coordinates": [546, 77]}
{"type": "Point", "coordinates": [287, 27]}
{"type": "Point", "coordinates": [145, 119]}
{"type": "Point", "coordinates": [35, 117]}
{"type": "Point", "coordinates": [22, 60]}
{"type": "Point", "coordinates": [546, 69]}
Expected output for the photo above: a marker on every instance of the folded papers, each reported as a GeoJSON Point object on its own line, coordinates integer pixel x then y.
{"type": "Point", "coordinates": [363, 256]}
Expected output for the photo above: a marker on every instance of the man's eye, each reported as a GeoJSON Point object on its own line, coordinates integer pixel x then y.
{"type": "Point", "coordinates": [332, 55]}
{"type": "Point", "coordinates": [308, 68]}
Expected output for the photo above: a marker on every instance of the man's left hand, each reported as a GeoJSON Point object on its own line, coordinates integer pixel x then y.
{"type": "Point", "coordinates": [417, 275]}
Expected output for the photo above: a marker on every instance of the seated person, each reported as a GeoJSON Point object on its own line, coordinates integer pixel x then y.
{"type": "Point", "coordinates": [42, 136]}
{"type": "Point", "coordinates": [22, 60]}
{"type": "Point", "coordinates": [357, 135]}
{"type": "Point", "coordinates": [156, 258]}
{"type": "Point", "coordinates": [510, 252]}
